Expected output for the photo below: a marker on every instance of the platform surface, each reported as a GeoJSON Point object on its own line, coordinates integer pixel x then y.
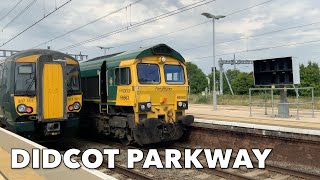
{"type": "Point", "coordinates": [240, 116]}
{"type": "Point", "coordinates": [9, 140]}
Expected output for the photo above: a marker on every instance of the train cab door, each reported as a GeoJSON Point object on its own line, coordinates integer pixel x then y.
{"type": "Point", "coordinates": [103, 88]}
{"type": "Point", "coordinates": [52, 89]}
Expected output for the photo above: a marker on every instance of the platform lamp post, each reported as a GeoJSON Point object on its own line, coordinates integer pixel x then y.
{"type": "Point", "coordinates": [105, 49]}
{"type": "Point", "coordinates": [214, 97]}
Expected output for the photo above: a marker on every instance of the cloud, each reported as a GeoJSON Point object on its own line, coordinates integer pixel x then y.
{"type": "Point", "coordinates": [277, 14]}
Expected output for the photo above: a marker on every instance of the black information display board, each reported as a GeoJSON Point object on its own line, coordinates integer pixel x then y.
{"type": "Point", "coordinates": [277, 71]}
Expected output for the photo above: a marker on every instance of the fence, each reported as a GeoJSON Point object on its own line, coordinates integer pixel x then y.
{"type": "Point", "coordinates": [270, 100]}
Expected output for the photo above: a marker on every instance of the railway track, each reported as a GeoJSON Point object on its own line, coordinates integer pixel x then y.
{"type": "Point", "coordinates": [118, 170]}
{"type": "Point", "coordinates": [270, 172]}
{"type": "Point", "coordinates": [130, 173]}
{"type": "Point", "coordinates": [256, 172]}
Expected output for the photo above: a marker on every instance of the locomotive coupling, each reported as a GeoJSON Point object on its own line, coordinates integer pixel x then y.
{"type": "Point", "coordinates": [186, 120]}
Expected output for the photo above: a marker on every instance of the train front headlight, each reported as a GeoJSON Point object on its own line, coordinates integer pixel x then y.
{"type": "Point", "coordinates": [76, 106]}
{"type": "Point", "coordinates": [182, 105]}
{"type": "Point", "coordinates": [144, 107]}
{"type": "Point", "coordinates": [22, 108]}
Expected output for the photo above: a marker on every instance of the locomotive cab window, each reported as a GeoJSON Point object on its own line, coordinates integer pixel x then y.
{"type": "Point", "coordinates": [174, 74]}
{"type": "Point", "coordinates": [73, 81]}
{"type": "Point", "coordinates": [148, 73]}
{"type": "Point", "coordinates": [122, 76]}
{"type": "Point", "coordinates": [25, 79]}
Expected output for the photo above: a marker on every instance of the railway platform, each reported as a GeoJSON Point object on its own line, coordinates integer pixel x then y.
{"type": "Point", "coordinates": [239, 116]}
{"type": "Point", "coordinates": [9, 140]}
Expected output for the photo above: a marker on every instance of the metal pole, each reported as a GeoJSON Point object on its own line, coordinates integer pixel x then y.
{"type": "Point", "coordinates": [250, 101]}
{"type": "Point", "coordinates": [225, 74]}
{"type": "Point", "coordinates": [214, 97]}
{"type": "Point", "coordinates": [265, 103]}
{"type": "Point", "coordinates": [209, 84]}
{"type": "Point", "coordinates": [221, 77]}
{"type": "Point", "coordinates": [272, 102]}
{"type": "Point", "coordinates": [312, 93]}
{"type": "Point", "coordinates": [298, 114]}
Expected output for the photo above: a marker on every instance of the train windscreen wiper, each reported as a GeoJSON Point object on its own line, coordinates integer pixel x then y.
{"type": "Point", "coordinates": [28, 92]}
{"type": "Point", "coordinates": [70, 89]}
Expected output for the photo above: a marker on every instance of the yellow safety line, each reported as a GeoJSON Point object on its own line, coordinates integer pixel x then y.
{"type": "Point", "coordinates": [5, 168]}
{"type": "Point", "coordinates": [262, 121]}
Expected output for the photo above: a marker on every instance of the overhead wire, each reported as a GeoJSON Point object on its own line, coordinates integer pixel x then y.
{"type": "Point", "coordinates": [186, 28]}
{"type": "Point", "coordinates": [35, 23]}
{"type": "Point", "coordinates": [11, 10]}
{"type": "Point", "coordinates": [256, 35]}
{"type": "Point", "coordinates": [161, 35]}
{"type": "Point", "coordinates": [19, 14]}
{"type": "Point", "coordinates": [245, 9]}
{"type": "Point", "coordinates": [85, 25]}
{"type": "Point", "coordinates": [262, 49]}
{"type": "Point", "coordinates": [147, 21]}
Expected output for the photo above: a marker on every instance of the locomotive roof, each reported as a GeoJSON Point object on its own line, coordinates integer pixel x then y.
{"type": "Point", "coordinates": [55, 54]}
{"type": "Point", "coordinates": [160, 49]}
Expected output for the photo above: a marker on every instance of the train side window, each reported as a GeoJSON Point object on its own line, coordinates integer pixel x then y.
{"type": "Point", "coordinates": [92, 83]}
{"type": "Point", "coordinates": [122, 76]}
{"type": "Point", "coordinates": [117, 76]}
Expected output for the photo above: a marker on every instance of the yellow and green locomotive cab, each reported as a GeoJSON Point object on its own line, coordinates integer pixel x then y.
{"type": "Point", "coordinates": [40, 94]}
{"type": "Point", "coordinates": [140, 96]}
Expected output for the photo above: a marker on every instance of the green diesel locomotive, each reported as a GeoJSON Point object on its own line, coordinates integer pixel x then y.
{"type": "Point", "coordinates": [137, 96]}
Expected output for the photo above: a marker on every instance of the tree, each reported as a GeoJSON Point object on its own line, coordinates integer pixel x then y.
{"type": "Point", "coordinates": [242, 82]}
{"type": "Point", "coordinates": [231, 73]}
{"type": "Point", "coordinates": [197, 79]}
{"type": "Point", "coordinates": [310, 77]}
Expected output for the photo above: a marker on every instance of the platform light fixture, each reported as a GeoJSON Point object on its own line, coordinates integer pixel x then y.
{"type": "Point", "coordinates": [213, 17]}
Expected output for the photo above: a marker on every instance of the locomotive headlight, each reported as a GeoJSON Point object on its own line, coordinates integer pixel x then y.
{"type": "Point", "coordinates": [163, 59]}
{"type": "Point", "coordinates": [142, 107]}
{"type": "Point", "coordinates": [76, 106]}
{"type": "Point", "coordinates": [184, 105]}
{"type": "Point", "coordinates": [21, 108]}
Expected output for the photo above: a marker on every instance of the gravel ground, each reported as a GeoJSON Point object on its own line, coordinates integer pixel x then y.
{"type": "Point", "coordinates": [84, 144]}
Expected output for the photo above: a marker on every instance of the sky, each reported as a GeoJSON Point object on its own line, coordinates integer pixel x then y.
{"type": "Point", "coordinates": [188, 32]}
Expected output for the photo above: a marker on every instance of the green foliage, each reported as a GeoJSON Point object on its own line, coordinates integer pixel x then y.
{"type": "Point", "coordinates": [242, 81]}
{"type": "Point", "coordinates": [197, 79]}
{"type": "Point", "coordinates": [310, 77]}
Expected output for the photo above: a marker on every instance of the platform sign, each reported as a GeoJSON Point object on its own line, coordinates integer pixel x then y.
{"type": "Point", "coordinates": [276, 71]}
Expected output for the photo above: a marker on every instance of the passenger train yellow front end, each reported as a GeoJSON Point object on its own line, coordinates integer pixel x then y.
{"type": "Point", "coordinates": [46, 95]}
